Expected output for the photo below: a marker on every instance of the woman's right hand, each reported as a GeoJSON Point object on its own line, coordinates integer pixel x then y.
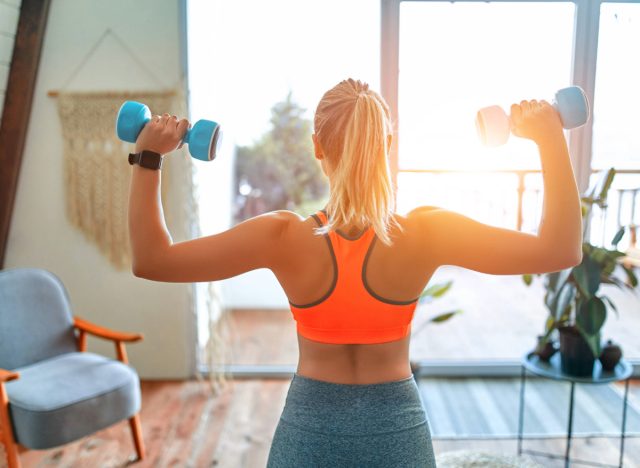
{"type": "Point", "coordinates": [162, 134]}
{"type": "Point", "coordinates": [535, 120]}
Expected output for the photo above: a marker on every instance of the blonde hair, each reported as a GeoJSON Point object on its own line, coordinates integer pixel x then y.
{"type": "Point", "coordinates": [352, 124]}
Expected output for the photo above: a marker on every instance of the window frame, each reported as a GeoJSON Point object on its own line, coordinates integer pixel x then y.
{"type": "Point", "coordinates": [583, 74]}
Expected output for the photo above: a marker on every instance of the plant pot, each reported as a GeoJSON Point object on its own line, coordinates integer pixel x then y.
{"type": "Point", "coordinates": [576, 357]}
{"type": "Point", "coordinates": [611, 354]}
{"type": "Point", "coordinates": [547, 350]}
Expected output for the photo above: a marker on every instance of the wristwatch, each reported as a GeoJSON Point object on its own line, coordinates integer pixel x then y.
{"type": "Point", "coordinates": [146, 158]}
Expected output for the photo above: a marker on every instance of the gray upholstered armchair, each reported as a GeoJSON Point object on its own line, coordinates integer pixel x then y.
{"type": "Point", "coordinates": [51, 391]}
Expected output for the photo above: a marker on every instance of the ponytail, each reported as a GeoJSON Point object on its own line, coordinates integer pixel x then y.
{"type": "Point", "coordinates": [353, 125]}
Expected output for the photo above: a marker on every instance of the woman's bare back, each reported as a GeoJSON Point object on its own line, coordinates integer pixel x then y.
{"type": "Point", "coordinates": [393, 272]}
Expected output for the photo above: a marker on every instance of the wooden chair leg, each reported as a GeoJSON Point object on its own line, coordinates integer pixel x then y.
{"type": "Point", "coordinates": [6, 432]}
{"type": "Point", "coordinates": [136, 431]}
{"type": "Point", "coordinates": [11, 452]}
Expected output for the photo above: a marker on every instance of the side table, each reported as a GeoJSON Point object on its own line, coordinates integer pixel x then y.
{"type": "Point", "coordinates": [552, 370]}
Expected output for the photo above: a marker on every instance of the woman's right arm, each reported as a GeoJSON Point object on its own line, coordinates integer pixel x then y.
{"type": "Point", "coordinates": [451, 238]}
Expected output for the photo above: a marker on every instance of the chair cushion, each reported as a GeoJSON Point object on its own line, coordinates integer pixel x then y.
{"type": "Point", "coordinates": [70, 396]}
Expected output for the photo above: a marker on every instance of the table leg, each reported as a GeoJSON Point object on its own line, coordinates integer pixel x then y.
{"type": "Point", "coordinates": [521, 412]}
{"type": "Point", "coordinates": [624, 419]}
{"type": "Point", "coordinates": [569, 429]}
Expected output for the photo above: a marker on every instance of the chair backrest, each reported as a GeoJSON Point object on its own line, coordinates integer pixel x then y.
{"type": "Point", "coordinates": [35, 317]}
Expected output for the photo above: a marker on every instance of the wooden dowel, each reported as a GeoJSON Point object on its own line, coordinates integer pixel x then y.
{"type": "Point", "coordinates": [167, 92]}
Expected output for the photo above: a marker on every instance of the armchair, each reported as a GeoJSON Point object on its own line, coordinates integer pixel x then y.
{"type": "Point", "coordinates": [52, 391]}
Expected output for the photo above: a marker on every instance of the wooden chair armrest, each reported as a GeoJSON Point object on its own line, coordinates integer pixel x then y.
{"type": "Point", "coordinates": [6, 375]}
{"type": "Point", "coordinates": [103, 332]}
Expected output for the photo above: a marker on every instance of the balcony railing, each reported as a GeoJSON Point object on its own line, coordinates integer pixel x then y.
{"type": "Point", "coordinates": [622, 207]}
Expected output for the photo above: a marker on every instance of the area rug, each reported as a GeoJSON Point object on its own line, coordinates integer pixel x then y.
{"type": "Point", "coordinates": [488, 408]}
{"type": "Point", "coordinates": [476, 459]}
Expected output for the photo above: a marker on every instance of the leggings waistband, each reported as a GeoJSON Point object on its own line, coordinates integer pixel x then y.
{"type": "Point", "coordinates": [353, 409]}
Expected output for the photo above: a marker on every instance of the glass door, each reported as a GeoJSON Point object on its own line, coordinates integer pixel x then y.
{"type": "Point", "coordinates": [260, 69]}
{"type": "Point", "coordinates": [455, 58]}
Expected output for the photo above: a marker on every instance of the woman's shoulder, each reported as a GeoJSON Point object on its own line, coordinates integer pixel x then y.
{"type": "Point", "coordinates": [421, 215]}
{"type": "Point", "coordinates": [414, 220]}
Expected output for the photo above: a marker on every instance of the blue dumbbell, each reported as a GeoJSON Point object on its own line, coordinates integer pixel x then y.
{"type": "Point", "coordinates": [494, 126]}
{"type": "Point", "coordinates": [203, 138]}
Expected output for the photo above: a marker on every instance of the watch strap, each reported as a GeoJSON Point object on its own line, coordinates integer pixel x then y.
{"type": "Point", "coordinates": [147, 159]}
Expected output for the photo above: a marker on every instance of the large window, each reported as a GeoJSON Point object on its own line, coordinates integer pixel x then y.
{"type": "Point", "coordinates": [259, 67]}
{"type": "Point", "coordinates": [454, 58]}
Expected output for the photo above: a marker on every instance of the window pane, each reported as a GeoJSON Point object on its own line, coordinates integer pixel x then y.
{"type": "Point", "coordinates": [244, 58]}
{"type": "Point", "coordinates": [616, 120]}
{"type": "Point", "coordinates": [458, 57]}
{"type": "Point", "coordinates": [616, 123]}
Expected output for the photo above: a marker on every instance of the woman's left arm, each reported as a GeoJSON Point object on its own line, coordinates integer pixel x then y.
{"type": "Point", "coordinates": [254, 243]}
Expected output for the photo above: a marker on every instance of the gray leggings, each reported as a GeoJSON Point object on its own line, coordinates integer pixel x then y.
{"type": "Point", "coordinates": [326, 424]}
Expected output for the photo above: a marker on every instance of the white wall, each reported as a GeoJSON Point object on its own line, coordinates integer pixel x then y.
{"type": "Point", "coordinates": [9, 14]}
{"type": "Point", "coordinates": [41, 236]}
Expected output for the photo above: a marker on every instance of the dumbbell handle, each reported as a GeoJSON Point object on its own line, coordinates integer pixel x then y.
{"type": "Point", "coordinates": [203, 138]}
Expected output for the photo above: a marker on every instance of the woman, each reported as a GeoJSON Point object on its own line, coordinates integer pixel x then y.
{"type": "Point", "coordinates": [353, 272]}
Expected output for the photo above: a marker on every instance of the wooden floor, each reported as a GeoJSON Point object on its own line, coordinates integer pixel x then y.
{"type": "Point", "coordinates": [501, 319]}
{"type": "Point", "coordinates": [184, 426]}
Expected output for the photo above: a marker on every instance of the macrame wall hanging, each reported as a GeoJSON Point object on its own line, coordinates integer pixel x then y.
{"type": "Point", "coordinates": [96, 170]}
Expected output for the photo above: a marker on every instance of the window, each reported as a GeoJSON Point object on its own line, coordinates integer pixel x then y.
{"type": "Point", "coordinates": [245, 57]}
{"type": "Point", "coordinates": [495, 53]}
{"type": "Point", "coordinates": [617, 99]}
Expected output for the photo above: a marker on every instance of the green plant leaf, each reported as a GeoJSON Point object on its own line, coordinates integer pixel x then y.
{"type": "Point", "coordinates": [613, 254]}
{"type": "Point", "coordinates": [591, 315]}
{"type": "Point", "coordinates": [608, 268]}
{"type": "Point", "coordinates": [620, 284]}
{"type": "Point", "coordinates": [618, 236]}
{"type": "Point", "coordinates": [563, 300]}
{"type": "Point", "coordinates": [587, 276]}
{"type": "Point", "coordinates": [608, 180]}
{"type": "Point", "coordinates": [631, 277]}
{"type": "Point", "coordinates": [549, 324]}
{"type": "Point", "coordinates": [445, 316]}
{"type": "Point", "coordinates": [527, 278]}
{"type": "Point", "coordinates": [611, 304]}
{"type": "Point", "coordinates": [584, 210]}
{"type": "Point", "coordinates": [436, 290]}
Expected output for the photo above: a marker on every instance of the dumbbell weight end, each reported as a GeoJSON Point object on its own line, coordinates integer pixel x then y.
{"type": "Point", "coordinates": [204, 139]}
{"type": "Point", "coordinates": [493, 126]}
{"type": "Point", "coordinates": [132, 117]}
{"type": "Point", "coordinates": [573, 106]}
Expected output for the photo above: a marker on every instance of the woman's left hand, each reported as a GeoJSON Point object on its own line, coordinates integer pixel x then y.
{"type": "Point", "coordinates": [162, 134]}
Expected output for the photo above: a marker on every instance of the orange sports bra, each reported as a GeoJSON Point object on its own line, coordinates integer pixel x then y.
{"type": "Point", "coordinates": [350, 312]}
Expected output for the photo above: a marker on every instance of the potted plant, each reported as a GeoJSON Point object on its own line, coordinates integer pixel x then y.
{"type": "Point", "coordinates": [576, 307]}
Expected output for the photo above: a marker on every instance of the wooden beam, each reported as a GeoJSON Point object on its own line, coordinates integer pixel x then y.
{"type": "Point", "coordinates": [17, 106]}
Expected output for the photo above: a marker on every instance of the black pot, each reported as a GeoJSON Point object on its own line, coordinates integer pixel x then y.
{"type": "Point", "coordinates": [547, 350]}
{"type": "Point", "coordinates": [611, 354]}
{"type": "Point", "coordinates": [576, 357]}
